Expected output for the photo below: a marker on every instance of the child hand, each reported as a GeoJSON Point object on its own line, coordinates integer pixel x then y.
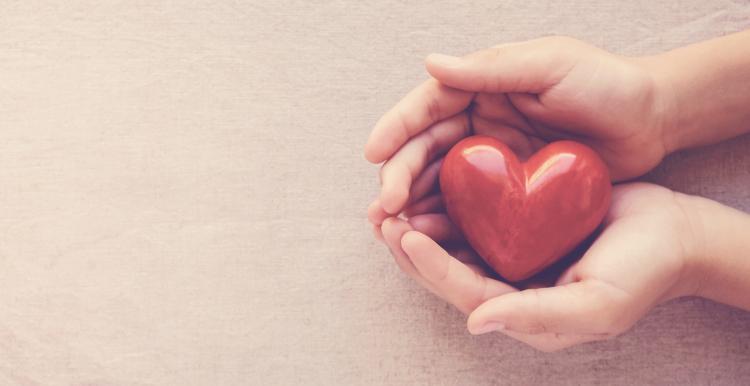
{"type": "Point", "coordinates": [644, 256]}
{"type": "Point", "coordinates": [526, 94]}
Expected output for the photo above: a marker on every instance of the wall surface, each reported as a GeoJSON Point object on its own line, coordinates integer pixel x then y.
{"type": "Point", "coordinates": [183, 193]}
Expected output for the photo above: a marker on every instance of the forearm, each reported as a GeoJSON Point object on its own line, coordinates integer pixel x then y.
{"type": "Point", "coordinates": [721, 267]}
{"type": "Point", "coordinates": [706, 90]}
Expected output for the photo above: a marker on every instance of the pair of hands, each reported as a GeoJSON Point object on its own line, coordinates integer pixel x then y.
{"type": "Point", "coordinates": [528, 94]}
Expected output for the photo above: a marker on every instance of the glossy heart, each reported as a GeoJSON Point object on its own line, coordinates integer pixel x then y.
{"type": "Point", "coordinates": [522, 217]}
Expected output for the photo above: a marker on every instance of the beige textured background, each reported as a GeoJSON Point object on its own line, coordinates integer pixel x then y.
{"type": "Point", "coordinates": [182, 196]}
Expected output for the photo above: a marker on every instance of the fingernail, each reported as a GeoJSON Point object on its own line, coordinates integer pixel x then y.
{"type": "Point", "coordinates": [489, 327]}
{"type": "Point", "coordinates": [445, 60]}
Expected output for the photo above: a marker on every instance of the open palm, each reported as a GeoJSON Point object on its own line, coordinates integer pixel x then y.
{"type": "Point", "coordinates": [638, 261]}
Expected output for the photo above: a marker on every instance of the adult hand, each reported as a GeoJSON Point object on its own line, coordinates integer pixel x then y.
{"type": "Point", "coordinates": [525, 94]}
{"type": "Point", "coordinates": [645, 255]}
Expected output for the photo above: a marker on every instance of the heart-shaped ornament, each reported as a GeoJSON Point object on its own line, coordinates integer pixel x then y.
{"type": "Point", "coordinates": [522, 217]}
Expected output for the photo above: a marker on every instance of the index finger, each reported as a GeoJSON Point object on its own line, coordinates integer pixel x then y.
{"type": "Point", "coordinates": [427, 104]}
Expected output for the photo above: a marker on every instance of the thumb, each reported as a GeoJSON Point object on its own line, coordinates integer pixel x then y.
{"type": "Point", "coordinates": [527, 67]}
{"type": "Point", "coordinates": [584, 307]}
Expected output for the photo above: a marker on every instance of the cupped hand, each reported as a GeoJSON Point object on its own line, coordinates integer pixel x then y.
{"type": "Point", "coordinates": [642, 257]}
{"type": "Point", "coordinates": [525, 94]}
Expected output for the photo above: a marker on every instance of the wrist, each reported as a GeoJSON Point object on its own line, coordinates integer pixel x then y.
{"type": "Point", "coordinates": [665, 103]}
{"type": "Point", "coordinates": [694, 274]}
{"type": "Point", "coordinates": [701, 91]}
{"type": "Point", "coordinates": [718, 269]}
{"type": "Point", "coordinates": [717, 258]}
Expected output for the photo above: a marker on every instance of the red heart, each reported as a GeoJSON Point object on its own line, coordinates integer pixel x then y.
{"type": "Point", "coordinates": [522, 217]}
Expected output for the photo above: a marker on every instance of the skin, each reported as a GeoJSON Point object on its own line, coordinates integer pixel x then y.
{"type": "Point", "coordinates": [655, 245]}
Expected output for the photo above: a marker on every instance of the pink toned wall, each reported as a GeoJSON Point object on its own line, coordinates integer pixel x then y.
{"type": "Point", "coordinates": [182, 196]}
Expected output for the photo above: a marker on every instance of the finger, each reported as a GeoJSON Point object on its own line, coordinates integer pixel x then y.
{"type": "Point", "coordinates": [519, 141]}
{"type": "Point", "coordinates": [430, 204]}
{"type": "Point", "coordinates": [471, 259]}
{"type": "Point", "coordinates": [460, 285]}
{"type": "Point", "coordinates": [393, 230]}
{"type": "Point", "coordinates": [498, 108]}
{"type": "Point", "coordinates": [424, 106]}
{"type": "Point", "coordinates": [427, 182]}
{"type": "Point", "coordinates": [528, 103]}
{"type": "Point", "coordinates": [568, 276]}
{"type": "Point", "coordinates": [531, 66]}
{"type": "Point", "coordinates": [553, 274]}
{"type": "Point", "coordinates": [551, 342]}
{"type": "Point", "coordinates": [375, 213]}
{"type": "Point", "coordinates": [533, 108]}
{"type": "Point", "coordinates": [378, 233]}
{"type": "Point", "coordinates": [399, 172]}
{"type": "Point", "coordinates": [438, 227]}
{"type": "Point", "coordinates": [584, 307]}
{"type": "Point", "coordinates": [477, 268]}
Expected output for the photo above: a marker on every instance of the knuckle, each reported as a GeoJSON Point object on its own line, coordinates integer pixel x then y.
{"type": "Point", "coordinates": [433, 107]}
{"type": "Point", "coordinates": [388, 223]}
{"type": "Point", "coordinates": [444, 274]}
{"type": "Point", "coordinates": [390, 168]}
{"type": "Point", "coordinates": [428, 146]}
{"type": "Point", "coordinates": [403, 123]}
